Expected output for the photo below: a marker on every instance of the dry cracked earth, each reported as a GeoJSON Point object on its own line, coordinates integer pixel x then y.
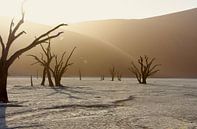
{"type": "Point", "coordinates": [94, 104]}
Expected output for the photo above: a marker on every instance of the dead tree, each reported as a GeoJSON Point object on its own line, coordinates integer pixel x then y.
{"type": "Point", "coordinates": [145, 69]}
{"type": "Point", "coordinates": [37, 75]}
{"type": "Point", "coordinates": [112, 73]}
{"type": "Point", "coordinates": [31, 81]}
{"type": "Point", "coordinates": [43, 76]}
{"type": "Point", "coordinates": [102, 77]}
{"type": "Point", "coordinates": [61, 67]}
{"type": "Point", "coordinates": [119, 76]}
{"type": "Point", "coordinates": [6, 61]}
{"type": "Point", "coordinates": [45, 62]}
{"type": "Point", "coordinates": [80, 75]}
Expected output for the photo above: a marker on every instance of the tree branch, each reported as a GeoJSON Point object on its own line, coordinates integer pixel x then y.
{"type": "Point", "coordinates": [12, 32]}
{"type": "Point", "coordinates": [47, 33]}
{"type": "Point", "coordinates": [36, 42]}
{"type": "Point", "coordinates": [21, 33]}
{"type": "Point", "coordinates": [2, 45]}
{"type": "Point", "coordinates": [37, 59]}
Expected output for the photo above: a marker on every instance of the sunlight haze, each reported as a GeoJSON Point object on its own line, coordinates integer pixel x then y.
{"type": "Point", "coordinates": [71, 11]}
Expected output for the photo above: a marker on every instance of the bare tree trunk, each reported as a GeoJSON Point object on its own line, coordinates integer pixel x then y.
{"type": "Point", "coordinates": [58, 81]}
{"type": "Point", "coordinates": [119, 76]}
{"type": "Point", "coordinates": [112, 79]}
{"type": "Point", "coordinates": [102, 77]}
{"type": "Point", "coordinates": [139, 80]}
{"type": "Point", "coordinates": [60, 67]}
{"type": "Point", "coordinates": [113, 73]}
{"type": "Point", "coordinates": [31, 81]}
{"type": "Point", "coordinates": [49, 77]}
{"type": "Point", "coordinates": [43, 77]}
{"type": "Point", "coordinates": [80, 76]}
{"type": "Point", "coordinates": [143, 81]}
{"type": "Point", "coordinates": [3, 85]}
{"type": "Point", "coordinates": [37, 76]}
{"type": "Point", "coordinates": [145, 69]}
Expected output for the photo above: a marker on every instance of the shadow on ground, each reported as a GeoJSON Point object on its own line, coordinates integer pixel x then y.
{"type": "Point", "coordinates": [3, 124]}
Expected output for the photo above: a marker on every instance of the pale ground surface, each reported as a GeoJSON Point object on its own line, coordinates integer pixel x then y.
{"type": "Point", "coordinates": [94, 104]}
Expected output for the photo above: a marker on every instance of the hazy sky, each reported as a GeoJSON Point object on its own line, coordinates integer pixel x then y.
{"type": "Point", "coordinates": [69, 11]}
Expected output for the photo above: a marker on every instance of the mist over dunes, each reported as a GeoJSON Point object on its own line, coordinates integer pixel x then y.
{"type": "Point", "coordinates": [171, 38]}
{"type": "Point", "coordinates": [100, 44]}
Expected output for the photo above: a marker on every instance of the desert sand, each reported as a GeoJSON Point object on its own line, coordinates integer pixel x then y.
{"type": "Point", "coordinates": [94, 104]}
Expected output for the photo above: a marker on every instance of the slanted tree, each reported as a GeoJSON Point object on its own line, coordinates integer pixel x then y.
{"type": "Point", "coordinates": [61, 67]}
{"type": "Point", "coordinates": [6, 61]}
{"type": "Point", "coordinates": [112, 73]}
{"type": "Point", "coordinates": [119, 76]}
{"type": "Point", "coordinates": [45, 62]}
{"type": "Point", "coordinates": [145, 69]}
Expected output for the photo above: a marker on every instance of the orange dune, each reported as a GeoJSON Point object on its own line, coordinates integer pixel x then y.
{"type": "Point", "coordinates": [100, 44]}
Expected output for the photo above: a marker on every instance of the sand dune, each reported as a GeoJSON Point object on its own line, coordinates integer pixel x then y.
{"type": "Point", "coordinates": [100, 44]}
{"type": "Point", "coordinates": [171, 38]}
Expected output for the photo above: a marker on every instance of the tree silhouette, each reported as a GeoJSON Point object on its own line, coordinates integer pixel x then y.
{"type": "Point", "coordinates": [6, 61]}
{"type": "Point", "coordinates": [61, 67]}
{"type": "Point", "coordinates": [45, 62]}
{"type": "Point", "coordinates": [102, 77]}
{"type": "Point", "coordinates": [145, 69]}
{"type": "Point", "coordinates": [80, 75]}
{"type": "Point", "coordinates": [112, 73]}
{"type": "Point", "coordinates": [119, 76]}
{"type": "Point", "coordinates": [31, 79]}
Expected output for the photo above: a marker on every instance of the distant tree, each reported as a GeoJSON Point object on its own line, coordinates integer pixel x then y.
{"type": "Point", "coordinates": [45, 61]}
{"type": "Point", "coordinates": [31, 79]}
{"type": "Point", "coordinates": [37, 74]}
{"type": "Point", "coordinates": [145, 69]}
{"type": "Point", "coordinates": [6, 61]}
{"type": "Point", "coordinates": [112, 73]}
{"type": "Point", "coordinates": [119, 76]}
{"type": "Point", "coordinates": [61, 67]}
{"type": "Point", "coordinates": [102, 77]}
{"type": "Point", "coordinates": [80, 75]}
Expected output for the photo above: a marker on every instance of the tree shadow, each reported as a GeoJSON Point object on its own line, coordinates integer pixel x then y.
{"type": "Point", "coordinates": [60, 91]}
{"type": "Point", "coordinates": [25, 126]}
{"type": "Point", "coordinates": [74, 88]}
{"type": "Point", "coordinates": [69, 91]}
{"type": "Point", "coordinates": [113, 104]}
{"type": "Point", "coordinates": [3, 107]}
{"type": "Point", "coordinates": [3, 124]}
{"type": "Point", "coordinates": [103, 106]}
{"type": "Point", "coordinates": [117, 102]}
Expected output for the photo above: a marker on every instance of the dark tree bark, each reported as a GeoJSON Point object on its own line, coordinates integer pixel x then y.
{"type": "Point", "coordinates": [146, 69]}
{"type": "Point", "coordinates": [119, 76]}
{"type": "Point", "coordinates": [31, 79]}
{"type": "Point", "coordinates": [80, 75]}
{"type": "Point", "coordinates": [6, 61]}
{"type": "Point", "coordinates": [112, 73]}
{"type": "Point", "coordinates": [3, 85]}
{"type": "Point", "coordinates": [102, 77]}
{"type": "Point", "coordinates": [49, 77]}
{"type": "Point", "coordinates": [43, 77]}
